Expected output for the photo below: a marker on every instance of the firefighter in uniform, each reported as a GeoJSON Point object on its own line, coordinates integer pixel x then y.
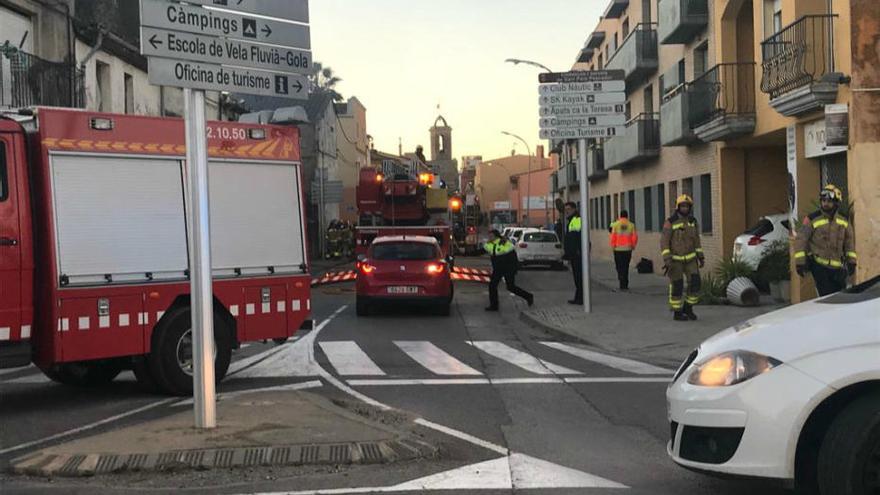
{"type": "Point", "coordinates": [623, 239]}
{"type": "Point", "coordinates": [572, 250]}
{"type": "Point", "coordinates": [682, 255]}
{"type": "Point", "coordinates": [504, 265]}
{"type": "Point", "coordinates": [825, 244]}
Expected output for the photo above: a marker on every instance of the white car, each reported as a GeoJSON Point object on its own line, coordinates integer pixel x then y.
{"type": "Point", "coordinates": [539, 247]}
{"type": "Point", "coordinates": [752, 245]}
{"type": "Point", "coordinates": [792, 395]}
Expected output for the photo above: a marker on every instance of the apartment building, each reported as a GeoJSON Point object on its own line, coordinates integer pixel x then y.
{"type": "Point", "coordinates": [726, 101]}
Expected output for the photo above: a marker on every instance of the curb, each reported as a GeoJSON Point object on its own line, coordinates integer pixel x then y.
{"type": "Point", "coordinates": [79, 465]}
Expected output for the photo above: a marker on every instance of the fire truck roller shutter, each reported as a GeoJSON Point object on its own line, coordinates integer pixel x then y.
{"type": "Point", "coordinates": [118, 216]}
{"type": "Point", "coordinates": [256, 218]}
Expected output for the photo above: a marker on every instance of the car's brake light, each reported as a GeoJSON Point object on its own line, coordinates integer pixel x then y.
{"type": "Point", "coordinates": [436, 268]}
{"type": "Point", "coordinates": [755, 240]}
{"type": "Point", "coordinates": [523, 245]}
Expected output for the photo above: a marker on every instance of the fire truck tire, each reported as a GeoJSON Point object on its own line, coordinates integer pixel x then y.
{"type": "Point", "coordinates": [171, 358]}
{"type": "Point", "coordinates": [361, 307]}
{"type": "Point", "coordinates": [84, 374]}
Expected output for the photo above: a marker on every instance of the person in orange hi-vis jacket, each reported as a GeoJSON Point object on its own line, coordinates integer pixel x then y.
{"type": "Point", "coordinates": [623, 238]}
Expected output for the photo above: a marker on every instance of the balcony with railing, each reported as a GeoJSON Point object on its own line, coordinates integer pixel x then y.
{"type": "Point", "coordinates": [798, 66]}
{"type": "Point", "coordinates": [640, 142]}
{"type": "Point", "coordinates": [681, 20]}
{"type": "Point", "coordinates": [676, 117]}
{"type": "Point", "coordinates": [27, 80]}
{"type": "Point", "coordinates": [722, 102]}
{"type": "Point", "coordinates": [637, 55]}
{"type": "Point", "coordinates": [596, 162]}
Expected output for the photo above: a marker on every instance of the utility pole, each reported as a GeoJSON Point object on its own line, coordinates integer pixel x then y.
{"type": "Point", "coordinates": [585, 223]}
{"type": "Point", "coordinates": [528, 178]}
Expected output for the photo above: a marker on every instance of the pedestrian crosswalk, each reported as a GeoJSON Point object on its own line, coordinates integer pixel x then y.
{"type": "Point", "coordinates": [349, 359]}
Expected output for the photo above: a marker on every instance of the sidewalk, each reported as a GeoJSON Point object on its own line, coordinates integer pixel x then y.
{"type": "Point", "coordinates": [635, 324]}
{"type": "Point", "coordinates": [274, 428]}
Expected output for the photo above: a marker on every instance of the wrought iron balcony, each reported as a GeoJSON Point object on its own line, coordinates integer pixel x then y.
{"type": "Point", "coordinates": [676, 117]}
{"type": "Point", "coordinates": [596, 162]}
{"type": "Point", "coordinates": [681, 20]}
{"type": "Point", "coordinates": [27, 80]}
{"type": "Point", "coordinates": [637, 55]}
{"type": "Point", "coordinates": [798, 66]}
{"type": "Point", "coordinates": [640, 142]}
{"type": "Point", "coordinates": [722, 102]}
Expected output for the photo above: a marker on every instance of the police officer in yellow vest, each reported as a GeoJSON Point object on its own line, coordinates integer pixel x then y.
{"type": "Point", "coordinates": [682, 255]}
{"type": "Point", "coordinates": [825, 244]}
{"type": "Point", "coordinates": [504, 265]}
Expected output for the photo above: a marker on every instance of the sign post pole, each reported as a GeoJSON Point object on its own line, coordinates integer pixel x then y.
{"type": "Point", "coordinates": [585, 224]}
{"type": "Point", "coordinates": [202, 306]}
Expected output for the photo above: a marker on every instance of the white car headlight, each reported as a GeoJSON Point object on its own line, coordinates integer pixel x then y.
{"type": "Point", "coordinates": [730, 368]}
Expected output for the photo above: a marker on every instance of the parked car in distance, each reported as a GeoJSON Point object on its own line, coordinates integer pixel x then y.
{"type": "Point", "coordinates": [539, 247]}
{"type": "Point", "coordinates": [792, 395]}
{"type": "Point", "coordinates": [752, 245]}
{"type": "Point", "coordinates": [403, 270]}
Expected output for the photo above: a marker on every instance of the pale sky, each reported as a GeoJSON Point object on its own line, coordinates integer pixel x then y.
{"type": "Point", "coordinates": [403, 57]}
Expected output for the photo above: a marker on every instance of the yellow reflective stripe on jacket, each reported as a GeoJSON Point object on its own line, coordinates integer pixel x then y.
{"type": "Point", "coordinates": [800, 254]}
{"type": "Point", "coordinates": [699, 250]}
{"type": "Point", "coordinates": [820, 222]}
{"type": "Point", "coordinates": [665, 252]}
{"type": "Point", "coordinates": [827, 262]}
{"type": "Point", "coordinates": [686, 257]}
{"type": "Point", "coordinates": [841, 221]}
{"type": "Point", "coordinates": [574, 225]}
{"type": "Point", "coordinates": [852, 254]}
{"type": "Point", "coordinates": [679, 225]}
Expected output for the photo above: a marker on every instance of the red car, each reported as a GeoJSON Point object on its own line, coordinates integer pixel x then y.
{"type": "Point", "coordinates": [404, 270]}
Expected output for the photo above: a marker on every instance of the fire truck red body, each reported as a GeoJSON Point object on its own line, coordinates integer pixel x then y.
{"type": "Point", "coordinates": [93, 257]}
{"type": "Point", "coordinates": [400, 205]}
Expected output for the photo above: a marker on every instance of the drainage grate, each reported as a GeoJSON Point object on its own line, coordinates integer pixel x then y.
{"type": "Point", "coordinates": [134, 462]}
{"type": "Point", "coordinates": [224, 458]}
{"type": "Point", "coordinates": [309, 454]}
{"type": "Point", "coordinates": [194, 458]}
{"type": "Point", "coordinates": [280, 456]}
{"type": "Point", "coordinates": [106, 463]}
{"type": "Point", "coordinates": [166, 460]}
{"type": "Point", "coordinates": [371, 452]}
{"type": "Point", "coordinates": [255, 456]}
{"type": "Point", "coordinates": [70, 466]}
{"type": "Point", "coordinates": [340, 453]}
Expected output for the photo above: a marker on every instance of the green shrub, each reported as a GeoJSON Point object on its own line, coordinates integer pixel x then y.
{"type": "Point", "coordinates": [775, 266]}
{"type": "Point", "coordinates": [731, 268]}
{"type": "Point", "coordinates": [712, 290]}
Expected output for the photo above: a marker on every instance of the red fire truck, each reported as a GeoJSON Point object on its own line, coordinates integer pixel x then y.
{"type": "Point", "coordinates": [93, 244]}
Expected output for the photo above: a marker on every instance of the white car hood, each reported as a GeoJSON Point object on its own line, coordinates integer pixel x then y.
{"type": "Point", "coordinates": [801, 330]}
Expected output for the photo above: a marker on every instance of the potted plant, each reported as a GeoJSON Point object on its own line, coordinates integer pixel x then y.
{"type": "Point", "coordinates": [736, 277]}
{"type": "Point", "coordinates": [774, 270]}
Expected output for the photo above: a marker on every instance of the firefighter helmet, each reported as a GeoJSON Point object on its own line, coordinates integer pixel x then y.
{"type": "Point", "coordinates": [831, 192]}
{"type": "Point", "coordinates": [684, 198]}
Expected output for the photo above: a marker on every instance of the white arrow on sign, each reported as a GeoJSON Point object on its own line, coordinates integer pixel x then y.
{"type": "Point", "coordinates": [583, 133]}
{"type": "Point", "coordinates": [194, 19]}
{"type": "Point", "coordinates": [183, 74]}
{"type": "Point", "coordinates": [585, 87]}
{"type": "Point", "coordinates": [200, 48]}
{"type": "Point", "coordinates": [581, 122]}
{"type": "Point", "coordinates": [581, 110]}
{"type": "Point", "coordinates": [289, 10]}
{"type": "Point", "coordinates": [582, 99]}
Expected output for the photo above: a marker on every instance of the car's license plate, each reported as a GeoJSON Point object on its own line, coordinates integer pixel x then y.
{"type": "Point", "coordinates": [403, 289]}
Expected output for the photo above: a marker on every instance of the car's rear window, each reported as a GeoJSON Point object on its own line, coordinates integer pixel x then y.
{"type": "Point", "coordinates": [541, 237]}
{"type": "Point", "coordinates": [404, 251]}
{"type": "Point", "coordinates": [762, 228]}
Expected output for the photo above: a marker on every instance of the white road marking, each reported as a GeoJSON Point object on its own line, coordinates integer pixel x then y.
{"type": "Point", "coordinates": [39, 378]}
{"type": "Point", "coordinates": [241, 364]}
{"type": "Point", "coordinates": [623, 379]}
{"type": "Point", "coordinates": [16, 370]}
{"type": "Point", "coordinates": [349, 359]}
{"type": "Point", "coordinates": [280, 388]}
{"type": "Point", "coordinates": [435, 359]}
{"type": "Point", "coordinates": [623, 364]}
{"type": "Point", "coordinates": [402, 382]}
{"type": "Point", "coordinates": [521, 359]}
{"type": "Point", "coordinates": [467, 437]}
{"type": "Point", "coordinates": [89, 426]}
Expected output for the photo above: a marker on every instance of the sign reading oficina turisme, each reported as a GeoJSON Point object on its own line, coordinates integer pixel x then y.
{"type": "Point", "coordinates": [581, 104]}
{"type": "Point", "coordinates": [218, 46]}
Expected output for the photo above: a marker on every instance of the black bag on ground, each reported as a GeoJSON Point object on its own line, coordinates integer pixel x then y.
{"type": "Point", "coordinates": [645, 266]}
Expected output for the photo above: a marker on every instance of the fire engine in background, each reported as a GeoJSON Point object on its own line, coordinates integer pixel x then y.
{"type": "Point", "coordinates": [465, 213]}
{"type": "Point", "coordinates": [93, 244]}
{"type": "Point", "coordinates": [401, 203]}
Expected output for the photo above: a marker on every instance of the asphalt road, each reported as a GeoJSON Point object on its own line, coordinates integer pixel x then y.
{"type": "Point", "coordinates": [518, 408]}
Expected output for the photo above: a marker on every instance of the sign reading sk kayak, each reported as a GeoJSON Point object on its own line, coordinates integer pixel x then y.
{"type": "Point", "coordinates": [164, 14]}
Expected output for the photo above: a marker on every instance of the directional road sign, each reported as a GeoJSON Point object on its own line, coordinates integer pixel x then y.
{"type": "Point", "coordinates": [291, 10]}
{"type": "Point", "coordinates": [585, 133]}
{"type": "Point", "coordinates": [201, 48]}
{"type": "Point", "coordinates": [184, 74]}
{"type": "Point", "coordinates": [582, 122]}
{"type": "Point", "coordinates": [581, 110]}
{"type": "Point", "coordinates": [164, 14]}
{"type": "Point", "coordinates": [585, 87]}
{"type": "Point", "coordinates": [582, 76]}
{"type": "Point", "coordinates": [582, 99]}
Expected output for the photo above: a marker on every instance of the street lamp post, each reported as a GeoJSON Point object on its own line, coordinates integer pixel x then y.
{"type": "Point", "coordinates": [528, 178]}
